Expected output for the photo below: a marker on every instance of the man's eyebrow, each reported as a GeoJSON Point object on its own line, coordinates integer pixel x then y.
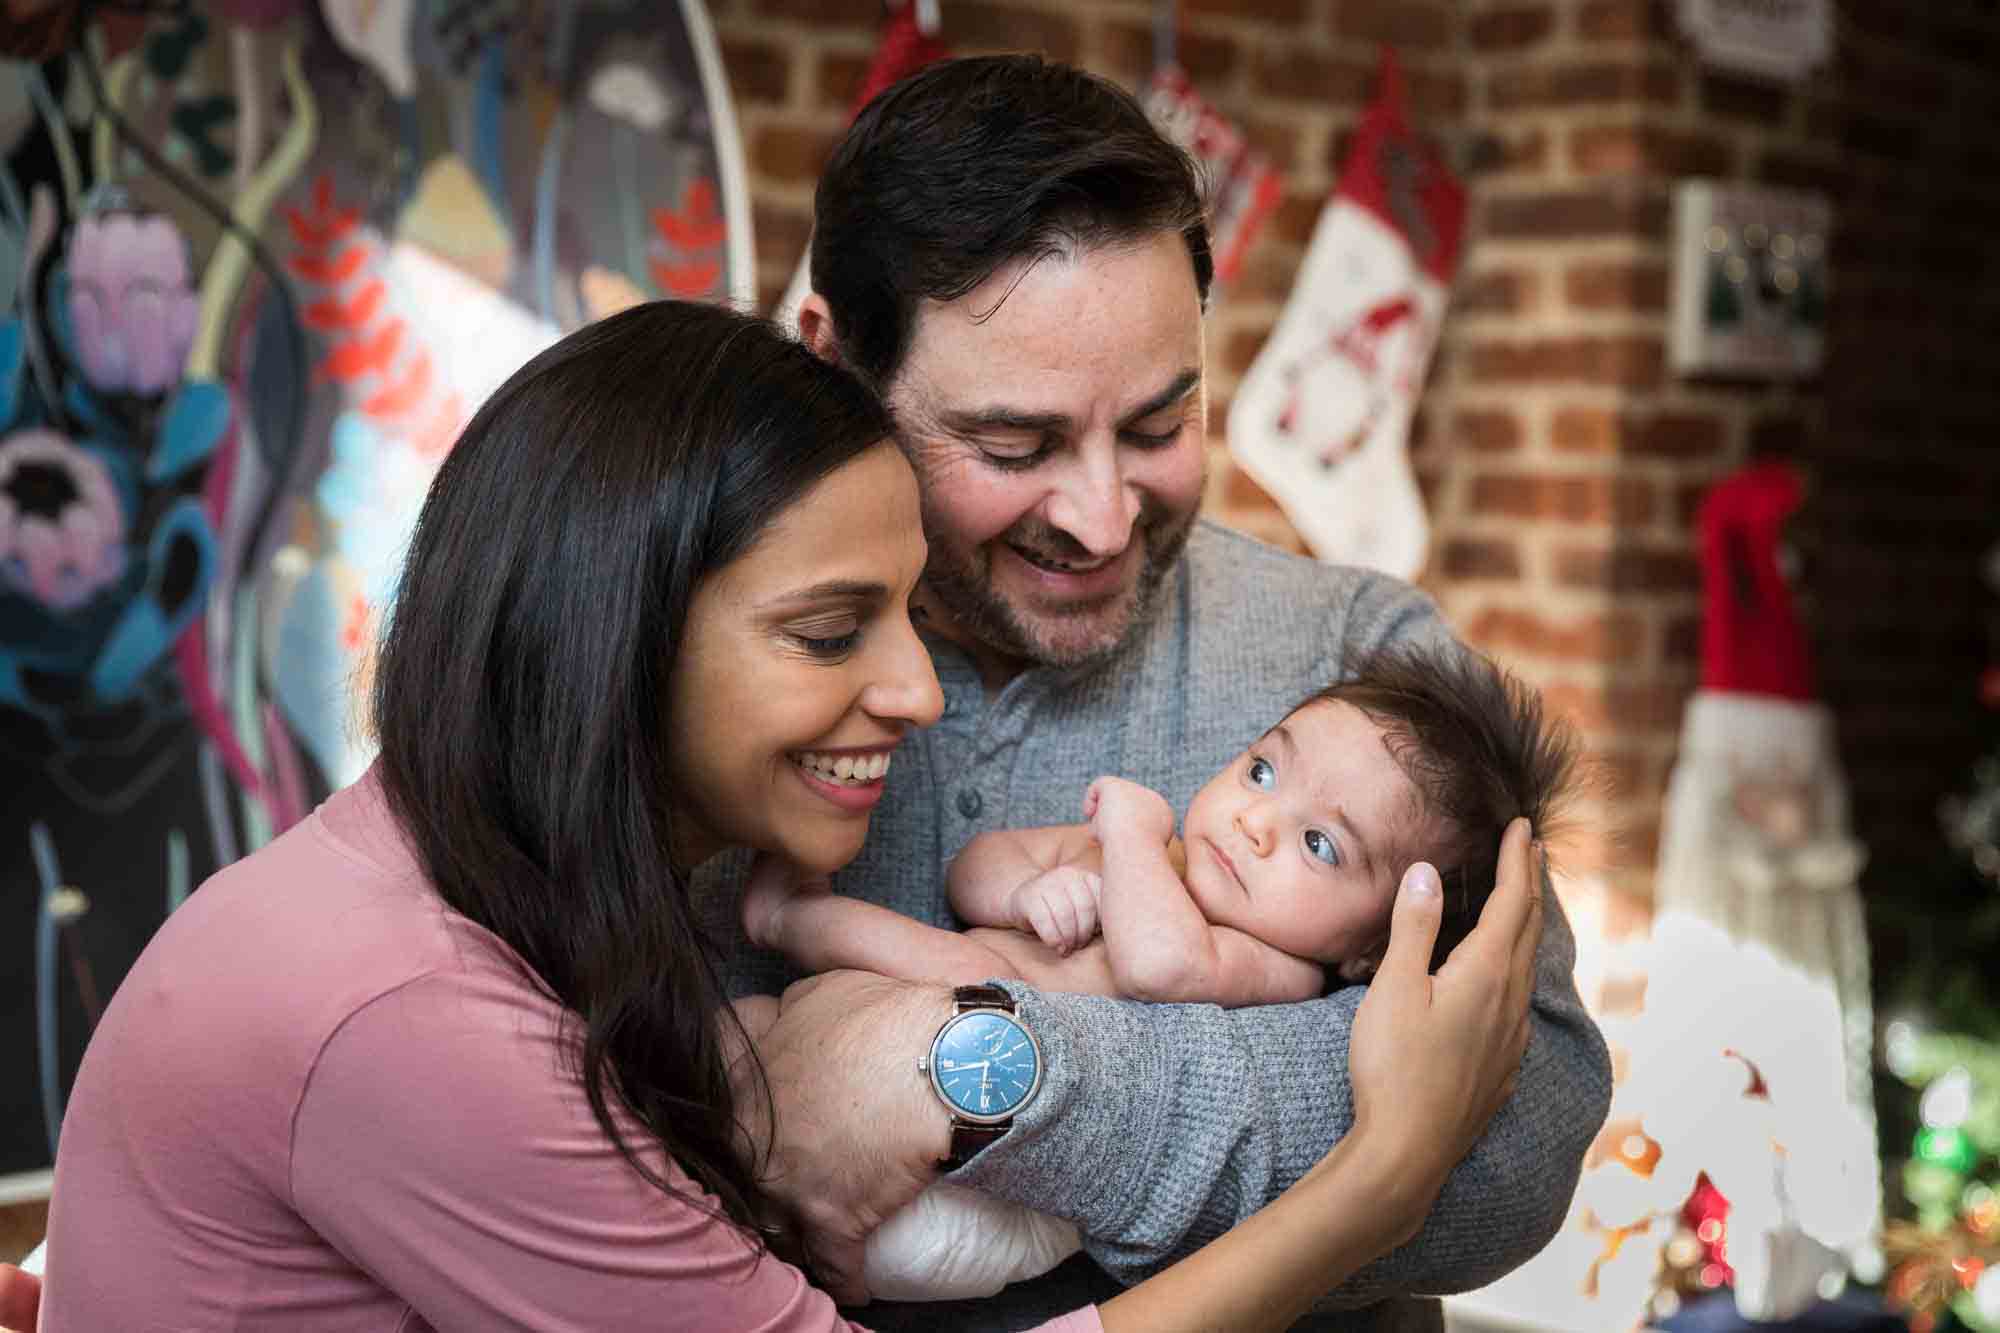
{"type": "Point", "coordinates": [1184, 384]}
{"type": "Point", "coordinates": [976, 420]}
{"type": "Point", "coordinates": [859, 590]}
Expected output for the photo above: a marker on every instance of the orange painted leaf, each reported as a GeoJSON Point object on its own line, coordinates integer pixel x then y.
{"type": "Point", "coordinates": [334, 315]}
{"type": "Point", "coordinates": [330, 272]}
{"type": "Point", "coordinates": [351, 360]}
{"type": "Point", "coordinates": [695, 279]}
{"type": "Point", "coordinates": [401, 398]}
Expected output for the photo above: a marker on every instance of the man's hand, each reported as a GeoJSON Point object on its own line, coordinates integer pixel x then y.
{"type": "Point", "coordinates": [20, 1299]}
{"type": "Point", "coordinates": [1113, 803]}
{"type": "Point", "coordinates": [858, 1132]}
{"type": "Point", "coordinates": [1059, 906]}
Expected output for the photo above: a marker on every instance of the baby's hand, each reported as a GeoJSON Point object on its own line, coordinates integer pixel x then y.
{"type": "Point", "coordinates": [773, 884]}
{"type": "Point", "coordinates": [1060, 906]}
{"type": "Point", "coordinates": [1113, 803]}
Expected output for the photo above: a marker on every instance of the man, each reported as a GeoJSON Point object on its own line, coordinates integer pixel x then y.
{"type": "Point", "coordinates": [1019, 262]}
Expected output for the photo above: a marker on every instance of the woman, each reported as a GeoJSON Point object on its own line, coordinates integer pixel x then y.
{"type": "Point", "coordinates": [452, 1053]}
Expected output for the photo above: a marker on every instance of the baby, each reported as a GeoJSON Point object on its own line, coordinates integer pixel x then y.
{"type": "Point", "coordinates": [1278, 888]}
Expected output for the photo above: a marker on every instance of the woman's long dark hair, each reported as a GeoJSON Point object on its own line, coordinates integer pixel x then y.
{"type": "Point", "coordinates": [521, 691]}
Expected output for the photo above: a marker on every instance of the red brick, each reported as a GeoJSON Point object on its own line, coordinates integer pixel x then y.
{"type": "Point", "coordinates": [1467, 558]}
{"type": "Point", "coordinates": [1242, 347]}
{"type": "Point", "coordinates": [1679, 435]}
{"type": "Point", "coordinates": [1622, 501]}
{"type": "Point", "coordinates": [1648, 150]}
{"type": "Point", "coordinates": [1624, 20]}
{"type": "Point", "coordinates": [790, 152]}
{"type": "Point", "coordinates": [1268, 11]}
{"type": "Point", "coordinates": [1292, 71]}
{"type": "Point", "coordinates": [1437, 94]}
{"type": "Point", "coordinates": [841, 74]}
{"type": "Point", "coordinates": [1541, 85]}
{"type": "Point", "coordinates": [1617, 285]}
{"type": "Point", "coordinates": [1276, 137]}
{"type": "Point", "coordinates": [1610, 208]}
{"type": "Point", "coordinates": [1487, 432]}
{"type": "Point", "coordinates": [1511, 29]}
{"type": "Point", "coordinates": [1628, 569]}
{"type": "Point", "coordinates": [973, 27]}
{"type": "Point", "coordinates": [1597, 638]}
{"type": "Point", "coordinates": [1495, 291]}
{"type": "Point", "coordinates": [1412, 25]}
{"type": "Point", "coordinates": [1627, 362]}
{"type": "Point", "coordinates": [1523, 150]}
{"type": "Point", "coordinates": [1622, 773]}
{"type": "Point", "coordinates": [1125, 53]}
{"type": "Point", "coordinates": [758, 71]}
{"type": "Point", "coordinates": [1268, 273]}
{"type": "Point", "coordinates": [782, 233]}
{"type": "Point", "coordinates": [1680, 641]}
{"type": "Point", "coordinates": [1624, 709]}
{"type": "Point", "coordinates": [1293, 220]}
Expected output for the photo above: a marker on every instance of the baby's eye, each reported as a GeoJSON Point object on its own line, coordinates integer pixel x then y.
{"type": "Point", "coordinates": [1321, 847]}
{"type": "Point", "coordinates": [1261, 774]}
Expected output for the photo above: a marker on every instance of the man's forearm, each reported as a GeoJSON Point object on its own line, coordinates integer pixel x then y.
{"type": "Point", "coordinates": [1161, 1126]}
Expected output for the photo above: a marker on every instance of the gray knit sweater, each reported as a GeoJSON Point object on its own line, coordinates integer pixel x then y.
{"type": "Point", "coordinates": [1160, 1126]}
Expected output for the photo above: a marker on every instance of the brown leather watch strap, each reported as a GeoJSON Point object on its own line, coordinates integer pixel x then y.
{"type": "Point", "coordinates": [968, 1138]}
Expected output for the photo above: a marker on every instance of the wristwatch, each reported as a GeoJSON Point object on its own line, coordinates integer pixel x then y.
{"type": "Point", "coordinates": [984, 1065]}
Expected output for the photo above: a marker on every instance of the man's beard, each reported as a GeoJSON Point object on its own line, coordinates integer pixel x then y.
{"type": "Point", "coordinates": [961, 582]}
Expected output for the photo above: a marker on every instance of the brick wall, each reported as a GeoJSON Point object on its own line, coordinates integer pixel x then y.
{"type": "Point", "coordinates": [1561, 460]}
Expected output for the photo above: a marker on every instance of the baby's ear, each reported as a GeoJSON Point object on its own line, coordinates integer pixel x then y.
{"type": "Point", "coordinates": [1361, 968]}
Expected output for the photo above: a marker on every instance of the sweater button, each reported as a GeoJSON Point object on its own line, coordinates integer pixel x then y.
{"type": "Point", "coordinates": [970, 803]}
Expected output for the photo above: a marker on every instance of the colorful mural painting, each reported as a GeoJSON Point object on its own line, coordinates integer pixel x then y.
{"type": "Point", "coordinates": [259, 262]}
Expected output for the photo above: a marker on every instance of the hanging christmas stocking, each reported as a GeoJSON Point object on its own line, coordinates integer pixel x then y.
{"type": "Point", "coordinates": [1243, 187]}
{"type": "Point", "coordinates": [909, 42]}
{"type": "Point", "coordinates": [1322, 419]}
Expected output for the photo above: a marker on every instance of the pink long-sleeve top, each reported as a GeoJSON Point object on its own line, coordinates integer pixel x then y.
{"type": "Point", "coordinates": [324, 1101]}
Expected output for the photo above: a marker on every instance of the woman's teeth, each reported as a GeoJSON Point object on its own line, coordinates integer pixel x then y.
{"type": "Point", "coordinates": [848, 768]}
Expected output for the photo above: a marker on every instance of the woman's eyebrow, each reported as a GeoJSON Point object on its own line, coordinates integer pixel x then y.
{"type": "Point", "coordinates": [856, 590]}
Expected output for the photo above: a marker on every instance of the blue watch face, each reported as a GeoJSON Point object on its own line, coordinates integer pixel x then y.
{"type": "Point", "coordinates": [985, 1064]}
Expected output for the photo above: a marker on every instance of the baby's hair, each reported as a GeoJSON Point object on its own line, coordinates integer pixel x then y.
{"type": "Point", "coordinates": [1477, 746]}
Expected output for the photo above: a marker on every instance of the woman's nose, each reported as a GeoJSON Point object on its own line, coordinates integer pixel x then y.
{"type": "Point", "coordinates": [907, 689]}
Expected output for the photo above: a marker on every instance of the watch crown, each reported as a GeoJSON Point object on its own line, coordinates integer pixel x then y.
{"type": "Point", "coordinates": [923, 1064]}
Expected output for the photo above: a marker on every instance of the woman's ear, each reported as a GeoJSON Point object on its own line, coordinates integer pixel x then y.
{"type": "Point", "coordinates": [816, 328]}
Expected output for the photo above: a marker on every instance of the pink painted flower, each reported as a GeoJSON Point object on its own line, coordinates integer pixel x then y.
{"type": "Point", "coordinates": [62, 530]}
{"type": "Point", "coordinates": [132, 307]}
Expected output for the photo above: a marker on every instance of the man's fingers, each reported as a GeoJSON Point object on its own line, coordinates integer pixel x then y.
{"type": "Point", "coordinates": [837, 1266]}
{"type": "Point", "coordinates": [1413, 924]}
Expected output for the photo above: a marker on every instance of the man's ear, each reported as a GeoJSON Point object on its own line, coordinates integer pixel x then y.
{"type": "Point", "coordinates": [816, 328]}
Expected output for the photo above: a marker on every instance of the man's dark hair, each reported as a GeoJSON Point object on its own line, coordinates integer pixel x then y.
{"type": "Point", "coordinates": [521, 690]}
{"type": "Point", "coordinates": [970, 164]}
{"type": "Point", "coordinates": [1480, 751]}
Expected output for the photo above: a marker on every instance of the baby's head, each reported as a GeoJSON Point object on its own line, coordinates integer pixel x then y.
{"type": "Point", "coordinates": [1422, 755]}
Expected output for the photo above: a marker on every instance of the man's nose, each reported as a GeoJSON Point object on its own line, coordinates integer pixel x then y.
{"type": "Point", "coordinates": [1096, 506]}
